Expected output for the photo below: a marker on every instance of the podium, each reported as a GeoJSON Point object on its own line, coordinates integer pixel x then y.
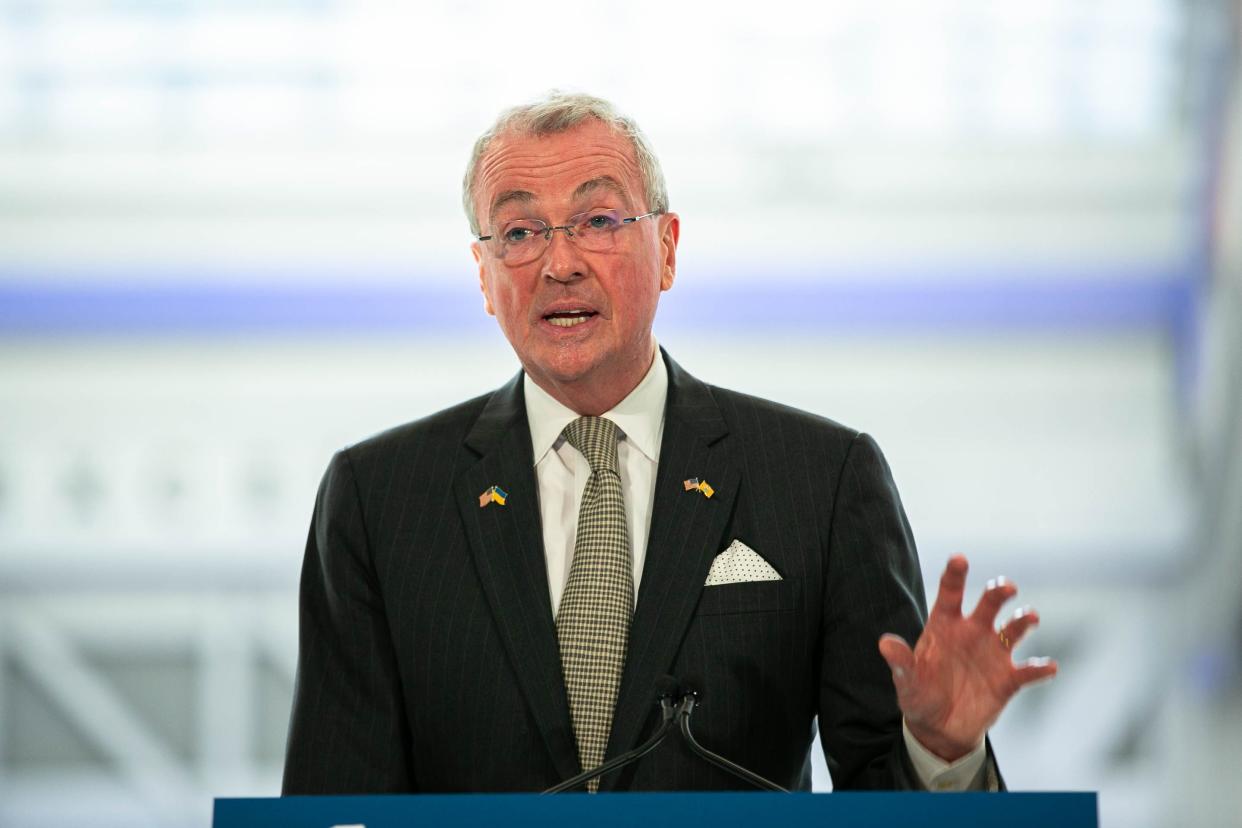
{"type": "Point", "coordinates": [666, 810]}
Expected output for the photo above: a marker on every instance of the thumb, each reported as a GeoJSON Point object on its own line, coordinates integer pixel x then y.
{"type": "Point", "coordinates": [899, 656]}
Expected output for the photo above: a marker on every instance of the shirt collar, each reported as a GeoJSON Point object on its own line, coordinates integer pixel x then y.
{"type": "Point", "coordinates": [640, 416]}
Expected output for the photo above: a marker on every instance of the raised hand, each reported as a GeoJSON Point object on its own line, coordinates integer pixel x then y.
{"type": "Point", "coordinates": [960, 675]}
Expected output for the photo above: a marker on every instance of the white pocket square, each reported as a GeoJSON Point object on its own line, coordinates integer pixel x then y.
{"type": "Point", "coordinates": [740, 564]}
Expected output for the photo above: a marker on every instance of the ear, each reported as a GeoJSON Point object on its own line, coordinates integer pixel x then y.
{"type": "Point", "coordinates": [477, 250]}
{"type": "Point", "coordinates": [670, 232]}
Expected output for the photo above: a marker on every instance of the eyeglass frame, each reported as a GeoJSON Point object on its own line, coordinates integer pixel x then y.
{"type": "Point", "coordinates": [549, 229]}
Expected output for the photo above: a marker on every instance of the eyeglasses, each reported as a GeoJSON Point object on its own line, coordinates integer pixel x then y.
{"type": "Point", "coordinates": [521, 241]}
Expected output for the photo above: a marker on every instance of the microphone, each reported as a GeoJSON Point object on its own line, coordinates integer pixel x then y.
{"type": "Point", "coordinates": [667, 692]}
{"type": "Point", "coordinates": [690, 700]}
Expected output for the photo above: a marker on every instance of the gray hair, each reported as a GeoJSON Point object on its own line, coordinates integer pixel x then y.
{"type": "Point", "coordinates": [558, 112]}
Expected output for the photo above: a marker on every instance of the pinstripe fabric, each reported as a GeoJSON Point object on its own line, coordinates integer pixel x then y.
{"type": "Point", "coordinates": [428, 653]}
{"type": "Point", "coordinates": [593, 621]}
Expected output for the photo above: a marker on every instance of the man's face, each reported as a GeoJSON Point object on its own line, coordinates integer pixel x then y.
{"type": "Point", "coordinates": [552, 178]}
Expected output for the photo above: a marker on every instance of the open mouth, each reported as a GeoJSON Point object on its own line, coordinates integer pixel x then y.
{"type": "Point", "coordinates": [569, 318]}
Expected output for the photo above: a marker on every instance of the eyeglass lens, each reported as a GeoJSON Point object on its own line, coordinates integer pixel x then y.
{"type": "Point", "coordinates": [522, 240]}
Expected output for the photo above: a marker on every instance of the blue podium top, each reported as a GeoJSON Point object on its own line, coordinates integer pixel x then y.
{"type": "Point", "coordinates": [675, 810]}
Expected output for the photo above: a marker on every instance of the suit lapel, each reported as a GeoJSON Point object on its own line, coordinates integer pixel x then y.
{"type": "Point", "coordinates": [507, 545]}
{"type": "Point", "coordinates": [687, 530]}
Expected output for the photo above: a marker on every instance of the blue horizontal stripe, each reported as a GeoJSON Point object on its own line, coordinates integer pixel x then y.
{"type": "Point", "coordinates": [1121, 298]}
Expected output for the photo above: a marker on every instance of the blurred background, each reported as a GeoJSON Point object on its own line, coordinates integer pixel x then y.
{"type": "Point", "coordinates": [1004, 238]}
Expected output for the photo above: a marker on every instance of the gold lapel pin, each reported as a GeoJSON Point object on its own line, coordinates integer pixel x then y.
{"type": "Point", "coordinates": [493, 494]}
{"type": "Point", "coordinates": [694, 484]}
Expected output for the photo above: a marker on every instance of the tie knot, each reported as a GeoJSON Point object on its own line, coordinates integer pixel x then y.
{"type": "Point", "coordinates": [596, 438]}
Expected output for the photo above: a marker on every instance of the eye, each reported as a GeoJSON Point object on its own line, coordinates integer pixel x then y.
{"type": "Point", "coordinates": [606, 220]}
{"type": "Point", "coordinates": [516, 232]}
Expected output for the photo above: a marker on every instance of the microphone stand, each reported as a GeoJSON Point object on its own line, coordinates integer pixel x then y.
{"type": "Point", "coordinates": [687, 706]}
{"type": "Point", "coordinates": [667, 714]}
{"type": "Point", "coordinates": [687, 701]}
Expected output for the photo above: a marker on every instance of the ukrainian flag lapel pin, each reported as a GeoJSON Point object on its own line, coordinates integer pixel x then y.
{"type": "Point", "coordinates": [693, 484]}
{"type": "Point", "coordinates": [493, 494]}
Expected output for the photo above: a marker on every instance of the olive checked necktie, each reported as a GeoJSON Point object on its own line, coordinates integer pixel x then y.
{"type": "Point", "coordinates": [593, 622]}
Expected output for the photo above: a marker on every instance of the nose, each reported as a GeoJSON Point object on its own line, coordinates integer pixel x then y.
{"type": "Point", "coordinates": [562, 260]}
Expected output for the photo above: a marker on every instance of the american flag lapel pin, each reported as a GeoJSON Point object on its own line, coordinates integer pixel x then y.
{"type": "Point", "coordinates": [493, 494]}
{"type": "Point", "coordinates": [693, 484]}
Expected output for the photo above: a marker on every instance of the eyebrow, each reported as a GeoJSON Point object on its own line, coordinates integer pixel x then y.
{"type": "Point", "coordinates": [603, 182]}
{"type": "Point", "coordinates": [520, 196]}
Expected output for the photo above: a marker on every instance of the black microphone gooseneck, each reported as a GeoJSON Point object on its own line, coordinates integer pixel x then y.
{"type": "Point", "coordinates": [688, 702]}
{"type": "Point", "coordinates": [667, 713]}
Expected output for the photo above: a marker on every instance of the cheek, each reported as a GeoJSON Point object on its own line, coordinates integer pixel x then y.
{"type": "Point", "coordinates": [642, 291]}
{"type": "Point", "coordinates": [511, 301]}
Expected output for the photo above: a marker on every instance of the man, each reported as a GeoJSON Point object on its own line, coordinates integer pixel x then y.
{"type": "Point", "coordinates": [491, 595]}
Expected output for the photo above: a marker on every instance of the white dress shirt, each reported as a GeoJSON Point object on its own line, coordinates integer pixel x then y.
{"type": "Point", "coordinates": [562, 471]}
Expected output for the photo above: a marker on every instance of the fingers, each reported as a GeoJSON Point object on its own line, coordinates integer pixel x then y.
{"type": "Point", "coordinates": [1033, 670]}
{"type": "Point", "coordinates": [1017, 627]}
{"type": "Point", "coordinates": [900, 659]}
{"type": "Point", "coordinates": [952, 587]}
{"type": "Point", "coordinates": [998, 591]}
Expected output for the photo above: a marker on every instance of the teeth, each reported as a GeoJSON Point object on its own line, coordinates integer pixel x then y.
{"type": "Point", "coordinates": [567, 321]}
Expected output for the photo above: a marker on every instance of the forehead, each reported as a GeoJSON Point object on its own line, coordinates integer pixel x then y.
{"type": "Point", "coordinates": [551, 167]}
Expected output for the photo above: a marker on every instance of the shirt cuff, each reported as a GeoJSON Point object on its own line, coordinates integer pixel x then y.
{"type": "Point", "coordinates": [935, 774]}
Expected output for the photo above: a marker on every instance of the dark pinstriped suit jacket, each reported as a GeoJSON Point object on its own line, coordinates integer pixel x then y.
{"type": "Point", "coordinates": [428, 656]}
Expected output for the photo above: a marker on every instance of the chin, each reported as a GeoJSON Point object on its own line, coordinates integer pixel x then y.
{"type": "Point", "coordinates": [569, 365]}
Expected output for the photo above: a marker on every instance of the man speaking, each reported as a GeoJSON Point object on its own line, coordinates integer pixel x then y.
{"type": "Point", "coordinates": [491, 595]}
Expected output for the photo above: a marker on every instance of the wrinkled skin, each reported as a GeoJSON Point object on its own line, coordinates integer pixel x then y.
{"type": "Point", "coordinates": [593, 366]}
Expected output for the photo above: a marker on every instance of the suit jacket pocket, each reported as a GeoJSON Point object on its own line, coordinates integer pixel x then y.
{"type": "Point", "coordinates": [751, 596]}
